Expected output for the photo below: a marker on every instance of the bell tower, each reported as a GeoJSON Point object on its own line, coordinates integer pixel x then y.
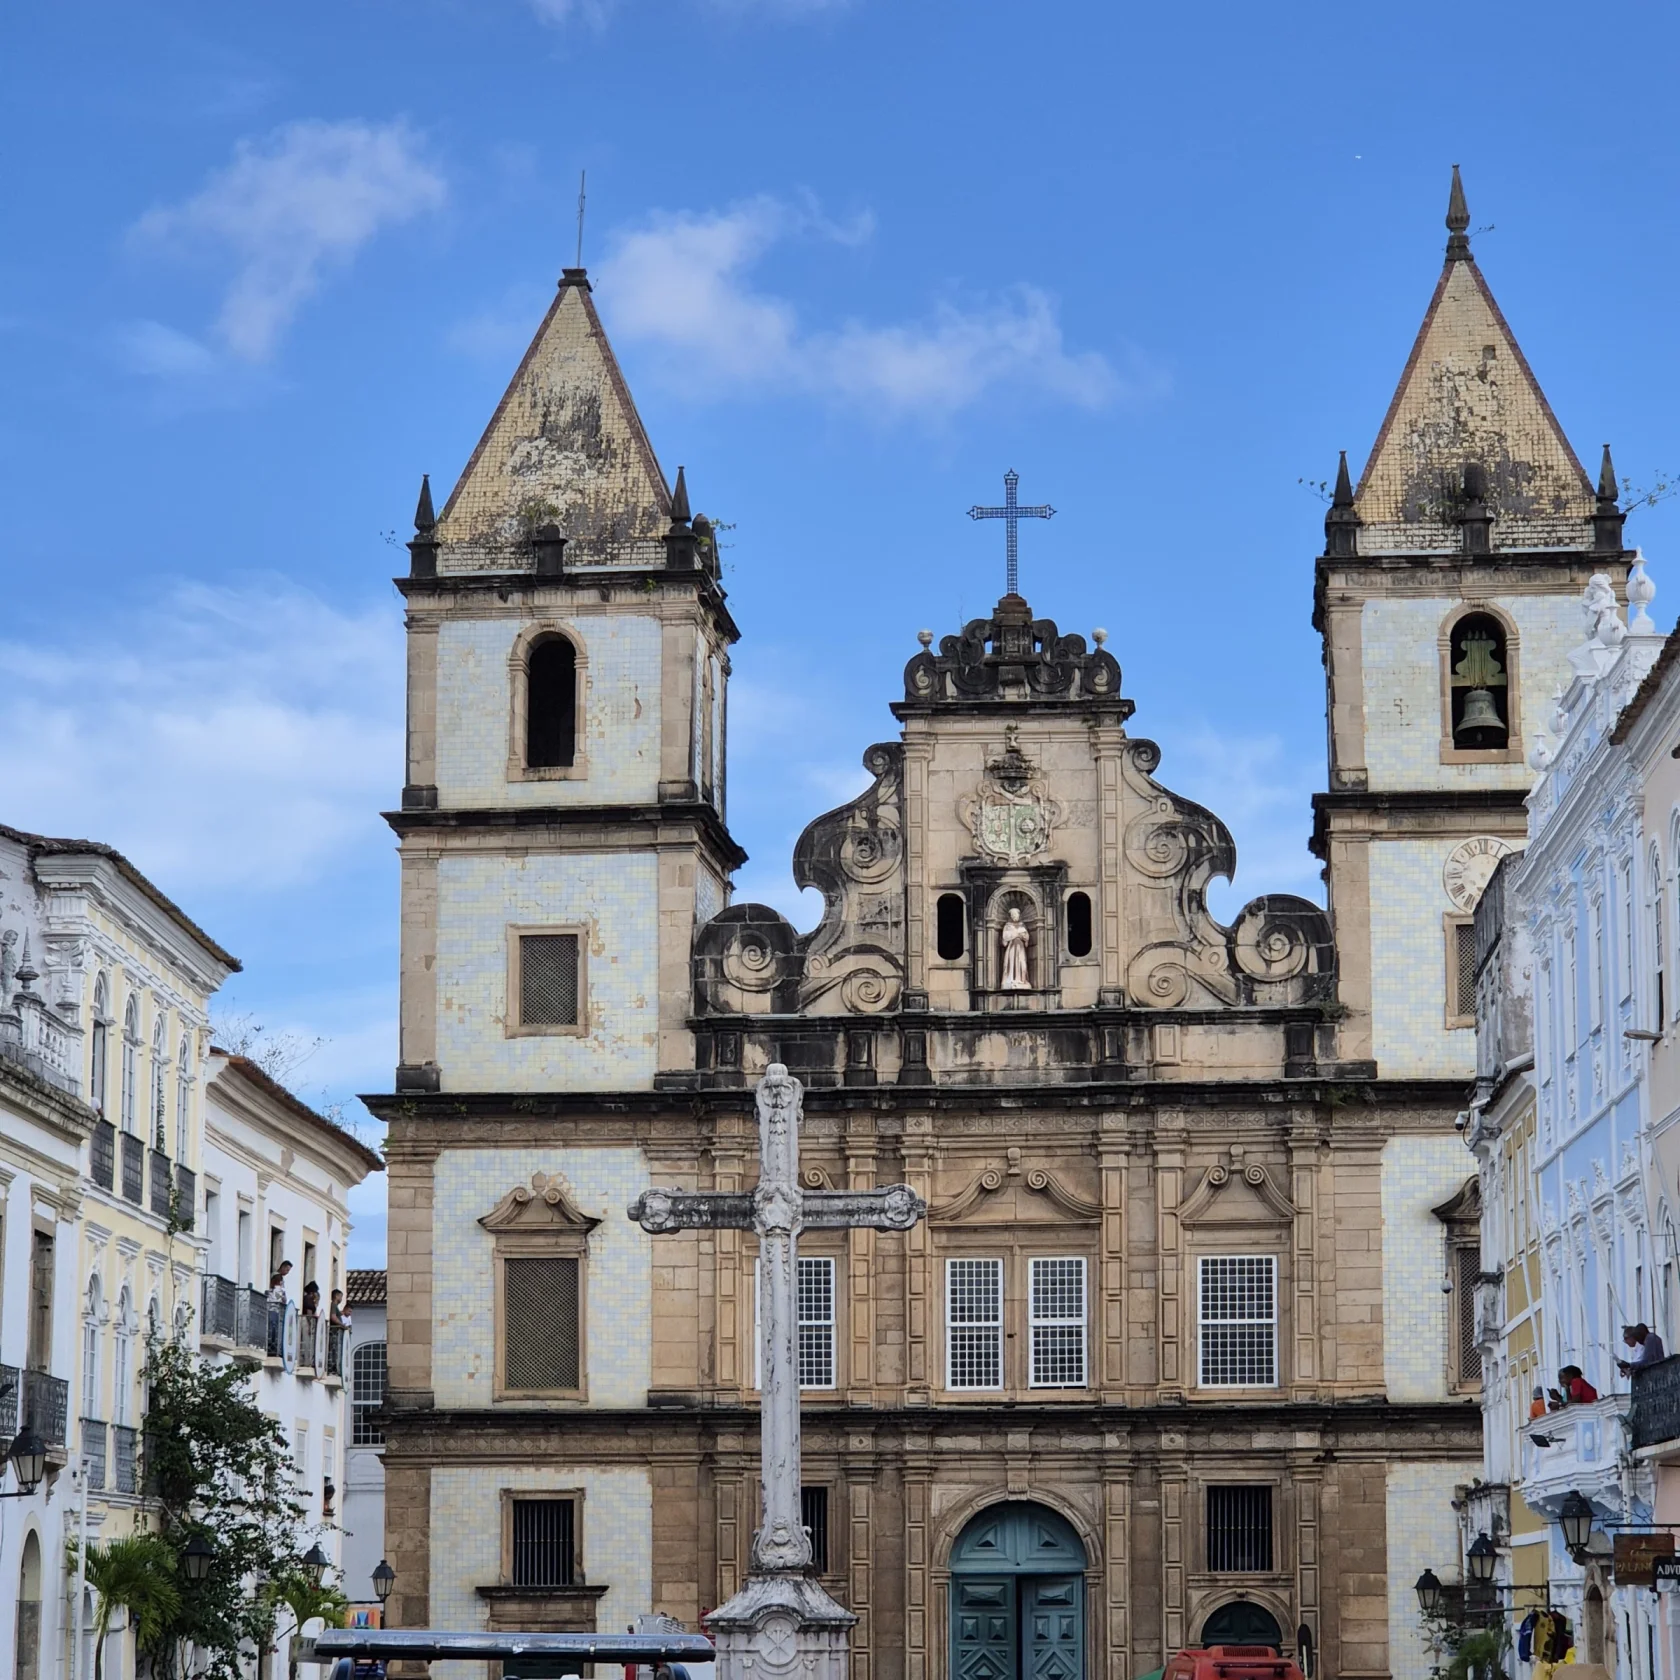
{"type": "Point", "coordinates": [563, 820]}
{"type": "Point", "coordinates": [1447, 596]}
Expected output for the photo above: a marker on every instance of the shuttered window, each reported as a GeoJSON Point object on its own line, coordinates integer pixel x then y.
{"type": "Point", "coordinates": [548, 979]}
{"type": "Point", "coordinates": [1239, 1530]}
{"type": "Point", "coordinates": [540, 1324]}
{"type": "Point", "coordinates": [544, 1542]}
{"type": "Point", "coordinates": [1468, 1356]}
{"type": "Point", "coordinates": [974, 1323]}
{"type": "Point", "coordinates": [1461, 971]}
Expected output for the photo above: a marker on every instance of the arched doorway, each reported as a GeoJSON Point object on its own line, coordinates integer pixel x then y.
{"type": "Point", "coordinates": [28, 1655]}
{"type": "Point", "coordinates": [1592, 1623]}
{"type": "Point", "coordinates": [1241, 1623]}
{"type": "Point", "coordinates": [1018, 1597]}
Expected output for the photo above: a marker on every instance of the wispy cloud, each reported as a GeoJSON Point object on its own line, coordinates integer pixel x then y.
{"type": "Point", "coordinates": [594, 14]}
{"type": "Point", "coordinates": [684, 282]}
{"type": "Point", "coordinates": [286, 211]}
{"type": "Point", "coordinates": [238, 738]}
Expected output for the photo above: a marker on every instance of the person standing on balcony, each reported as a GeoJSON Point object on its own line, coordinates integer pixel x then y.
{"type": "Point", "coordinates": [1647, 1348]}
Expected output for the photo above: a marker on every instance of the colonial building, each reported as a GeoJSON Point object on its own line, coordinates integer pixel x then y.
{"type": "Point", "coordinates": [1170, 1359]}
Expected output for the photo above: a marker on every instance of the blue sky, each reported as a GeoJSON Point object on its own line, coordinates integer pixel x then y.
{"type": "Point", "coordinates": [261, 266]}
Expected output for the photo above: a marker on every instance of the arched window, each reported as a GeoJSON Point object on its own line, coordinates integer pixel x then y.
{"type": "Point", "coordinates": [130, 1062]}
{"type": "Point", "coordinates": [122, 1376]}
{"type": "Point", "coordinates": [551, 705]}
{"type": "Point", "coordinates": [183, 1096]}
{"type": "Point", "coordinates": [91, 1351]}
{"type": "Point", "coordinates": [1079, 924]}
{"type": "Point", "coordinates": [160, 1063]}
{"type": "Point", "coordinates": [1478, 684]}
{"type": "Point", "coordinates": [950, 916]}
{"type": "Point", "coordinates": [367, 1395]}
{"type": "Point", "coordinates": [1659, 940]}
{"type": "Point", "coordinates": [28, 1634]}
{"type": "Point", "coordinates": [96, 1068]}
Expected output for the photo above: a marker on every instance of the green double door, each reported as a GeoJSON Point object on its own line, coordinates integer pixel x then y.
{"type": "Point", "coordinates": [1018, 1597]}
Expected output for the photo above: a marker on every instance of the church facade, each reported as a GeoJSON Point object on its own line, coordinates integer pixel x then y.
{"type": "Point", "coordinates": [1169, 1360]}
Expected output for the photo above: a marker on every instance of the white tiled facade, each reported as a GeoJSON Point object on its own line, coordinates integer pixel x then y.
{"type": "Point", "coordinates": [618, 1279]}
{"type": "Point", "coordinates": [619, 731]}
{"type": "Point", "coordinates": [1418, 1175]}
{"type": "Point", "coordinates": [1422, 1530]}
{"type": "Point", "coordinates": [1401, 661]}
{"type": "Point", "coordinates": [616, 1535]}
{"type": "Point", "coordinates": [615, 896]}
{"type": "Point", "coordinates": [1409, 964]}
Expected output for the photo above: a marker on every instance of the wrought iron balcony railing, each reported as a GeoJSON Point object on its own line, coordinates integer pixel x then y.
{"type": "Point", "coordinates": [310, 1352]}
{"type": "Point", "coordinates": [338, 1338]}
{"type": "Point", "coordinates": [93, 1449]}
{"type": "Point", "coordinates": [46, 1405]}
{"type": "Point", "coordinates": [162, 1182]}
{"type": "Point", "coordinates": [219, 1309]}
{"type": "Point", "coordinates": [251, 1322]}
{"type": "Point", "coordinates": [1656, 1403]}
{"type": "Point", "coordinates": [104, 1155]}
{"type": "Point", "coordinates": [133, 1169]}
{"type": "Point", "coordinates": [125, 1445]}
{"type": "Point", "coordinates": [186, 1196]}
{"type": "Point", "coordinates": [11, 1396]}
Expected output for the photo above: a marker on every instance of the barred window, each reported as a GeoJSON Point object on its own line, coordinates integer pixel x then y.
{"type": "Point", "coordinates": [1238, 1312]}
{"type": "Point", "coordinates": [1239, 1530]}
{"type": "Point", "coordinates": [974, 1323]}
{"type": "Point", "coordinates": [367, 1394]}
{"type": "Point", "coordinates": [813, 1513]}
{"type": "Point", "coordinates": [1467, 1361]}
{"type": "Point", "coordinates": [1461, 971]}
{"type": "Point", "coordinates": [548, 980]}
{"type": "Point", "coordinates": [540, 1324]}
{"type": "Point", "coordinates": [544, 1543]}
{"type": "Point", "coordinates": [816, 1322]}
{"type": "Point", "coordinates": [1056, 1320]}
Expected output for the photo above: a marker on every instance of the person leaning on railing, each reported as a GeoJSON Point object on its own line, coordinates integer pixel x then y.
{"type": "Point", "coordinates": [1647, 1348]}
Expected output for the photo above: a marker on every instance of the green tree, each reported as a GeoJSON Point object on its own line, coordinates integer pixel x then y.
{"type": "Point", "coordinates": [299, 1594]}
{"type": "Point", "coordinates": [137, 1572]}
{"type": "Point", "coordinates": [217, 1465]}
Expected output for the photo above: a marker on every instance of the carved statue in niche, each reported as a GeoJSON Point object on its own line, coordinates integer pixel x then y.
{"type": "Point", "coordinates": [1015, 938]}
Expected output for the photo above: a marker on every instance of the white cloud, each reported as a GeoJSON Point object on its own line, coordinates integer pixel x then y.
{"type": "Point", "coordinates": [683, 281]}
{"type": "Point", "coordinates": [150, 347]}
{"type": "Point", "coordinates": [224, 737]}
{"type": "Point", "coordinates": [289, 208]}
{"type": "Point", "coordinates": [594, 14]}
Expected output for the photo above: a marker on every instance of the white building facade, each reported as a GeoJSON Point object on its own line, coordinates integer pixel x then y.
{"type": "Point", "coordinates": [363, 1501]}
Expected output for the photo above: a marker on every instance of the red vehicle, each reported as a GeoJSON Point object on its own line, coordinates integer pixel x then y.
{"type": "Point", "coordinates": [1231, 1662]}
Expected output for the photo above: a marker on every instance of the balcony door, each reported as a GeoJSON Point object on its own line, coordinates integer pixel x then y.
{"type": "Point", "coordinates": [1018, 1597]}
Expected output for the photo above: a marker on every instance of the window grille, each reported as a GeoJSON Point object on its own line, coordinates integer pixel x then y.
{"type": "Point", "coordinates": [1056, 1320]}
{"type": "Point", "coordinates": [813, 1513]}
{"type": "Point", "coordinates": [1238, 1321]}
{"type": "Point", "coordinates": [367, 1394]}
{"type": "Point", "coordinates": [1469, 1361]}
{"type": "Point", "coordinates": [1461, 970]}
{"type": "Point", "coordinates": [544, 1542]}
{"type": "Point", "coordinates": [548, 979]}
{"type": "Point", "coordinates": [816, 1322]}
{"type": "Point", "coordinates": [1239, 1530]}
{"type": "Point", "coordinates": [974, 1323]}
{"type": "Point", "coordinates": [540, 1323]}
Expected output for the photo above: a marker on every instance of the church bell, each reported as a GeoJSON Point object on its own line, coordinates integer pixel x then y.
{"type": "Point", "coordinates": [1480, 717]}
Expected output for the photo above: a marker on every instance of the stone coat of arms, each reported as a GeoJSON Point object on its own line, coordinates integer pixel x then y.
{"type": "Point", "coordinates": [1011, 818]}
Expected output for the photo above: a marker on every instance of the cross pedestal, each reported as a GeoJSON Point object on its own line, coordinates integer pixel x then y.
{"type": "Point", "coordinates": [781, 1622]}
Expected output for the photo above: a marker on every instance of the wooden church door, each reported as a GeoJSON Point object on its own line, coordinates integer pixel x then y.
{"type": "Point", "coordinates": [1018, 1597]}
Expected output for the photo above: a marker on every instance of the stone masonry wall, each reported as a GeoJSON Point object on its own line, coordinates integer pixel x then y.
{"type": "Point", "coordinates": [618, 1302]}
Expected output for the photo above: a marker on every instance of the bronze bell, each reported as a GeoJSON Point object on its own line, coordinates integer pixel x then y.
{"type": "Point", "coordinates": [1480, 714]}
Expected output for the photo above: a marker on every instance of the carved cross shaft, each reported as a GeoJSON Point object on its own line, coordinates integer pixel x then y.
{"type": "Point", "coordinates": [777, 1211]}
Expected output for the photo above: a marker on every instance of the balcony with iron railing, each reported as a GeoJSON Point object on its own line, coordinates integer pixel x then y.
{"type": "Point", "coordinates": [186, 1196]}
{"type": "Point", "coordinates": [1656, 1409]}
{"type": "Point", "coordinates": [11, 1398]}
{"type": "Point", "coordinates": [125, 1455]}
{"type": "Point", "coordinates": [251, 1324]}
{"type": "Point", "coordinates": [94, 1434]}
{"type": "Point", "coordinates": [338, 1339]}
{"type": "Point", "coordinates": [133, 1169]}
{"type": "Point", "coordinates": [1576, 1449]}
{"type": "Point", "coordinates": [103, 1155]}
{"type": "Point", "coordinates": [46, 1405]}
{"type": "Point", "coordinates": [161, 1182]}
{"type": "Point", "coordinates": [218, 1313]}
{"type": "Point", "coordinates": [311, 1350]}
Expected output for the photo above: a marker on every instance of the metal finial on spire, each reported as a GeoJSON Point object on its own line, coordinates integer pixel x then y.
{"type": "Point", "coordinates": [1011, 513]}
{"type": "Point", "coordinates": [1458, 221]}
{"type": "Point", "coordinates": [579, 262]}
{"type": "Point", "coordinates": [424, 519]}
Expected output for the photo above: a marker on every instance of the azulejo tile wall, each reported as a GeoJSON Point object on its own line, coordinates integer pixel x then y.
{"type": "Point", "coordinates": [1422, 1534]}
{"type": "Point", "coordinates": [615, 895]}
{"type": "Point", "coordinates": [468, 1183]}
{"type": "Point", "coordinates": [1418, 1174]}
{"type": "Point", "coordinates": [616, 1550]}
{"type": "Point", "coordinates": [1409, 974]}
{"type": "Point", "coordinates": [620, 727]}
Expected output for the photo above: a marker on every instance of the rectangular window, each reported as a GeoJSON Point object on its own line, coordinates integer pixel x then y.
{"type": "Point", "coordinates": [544, 1542]}
{"type": "Point", "coordinates": [1468, 1360]}
{"type": "Point", "coordinates": [1239, 1530]}
{"type": "Point", "coordinates": [813, 1513]}
{"type": "Point", "coordinates": [974, 1323]}
{"type": "Point", "coordinates": [367, 1394]}
{"type": "Point", "coordinates": [1238, 1312]}
{"type": "Point", "coordinates": [1461, 972]}
{"type": "Point", "coordinates": [1056, 1320]}
{"type": "Point", "coordinates": [548, 980]}
{"type": "Point", "coordinates": [816, 1322]}
{"type": "Point", "coordinates": [1625, 886]}
{"type": "Point", "coordinates": [540, 1324]}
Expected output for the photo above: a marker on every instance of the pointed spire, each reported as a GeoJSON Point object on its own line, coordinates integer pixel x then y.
{"type": "Point", "coordinates": [1341, 523]}
{"type": "Point", "coordinates": [423, 548]}
{"type": "Point", "coordinates": [682, 546]}
{"type": "Point", "coordinates": [425, 521]}
{"type": "Point", "coordinates": [679, 500]}
{"type": "Point", "coordinates": [1607, 491]}
{"type": "Point", "coordinates": [1608, 518]}
{"type": "Point", "coordinates": [1458, 222]}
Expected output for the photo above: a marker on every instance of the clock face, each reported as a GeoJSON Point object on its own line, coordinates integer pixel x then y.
{"type": "Point", "coordinates": [1470, 867]}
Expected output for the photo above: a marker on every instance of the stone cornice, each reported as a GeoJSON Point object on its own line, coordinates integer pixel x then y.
{"type": "Point", "coordinates": [57, 1110]}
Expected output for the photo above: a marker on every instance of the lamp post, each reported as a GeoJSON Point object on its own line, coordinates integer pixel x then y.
{"type": "Point", "coordinates": [1575, 1518]}
{"type": "Point", "coordinates": [384, 1578]}
{"type": "Point", "coordinates": [1429, 1592]}
{"type": "Point", "coordinates": [315, 1563]}
{"type": "Point", "coordinates": [196, 1558]}
{"type": "Point", "coordinates": [1483, 1558]}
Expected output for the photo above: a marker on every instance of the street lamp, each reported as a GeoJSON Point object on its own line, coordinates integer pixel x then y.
{"type": "Point", "coordinates": [315, 1563]}
{"type": "Point", "coordinates": [196, 1557]}
{"type": "Point", "coordinates": [29, 1460]}
{"type": "Point", "coordinates": [1429, 1592]}
{"type": "Point", "coordinates": [384, 1578]}
{"type": "Point", "coordinates": [1483, 1557]}
{"type": "Point", "coordinates": [1575, 1518]}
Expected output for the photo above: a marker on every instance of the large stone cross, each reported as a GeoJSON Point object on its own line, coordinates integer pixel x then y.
{"type": "Point", "coordinates": [777, 1211]}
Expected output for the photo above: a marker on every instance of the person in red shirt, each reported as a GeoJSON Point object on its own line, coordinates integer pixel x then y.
{"type": "Point", "coordinates": [1576, 1390]}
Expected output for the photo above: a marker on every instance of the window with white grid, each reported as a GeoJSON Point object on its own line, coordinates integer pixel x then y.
{"type": "Point", "coordinates": [816, 1322]}
{"type": "Point", "coordinates": [1238, 1313]}
{"type": "Point", "coordinates": [1056, 1319]}
{"type": "Point", "coordinates": [974, 1323]}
